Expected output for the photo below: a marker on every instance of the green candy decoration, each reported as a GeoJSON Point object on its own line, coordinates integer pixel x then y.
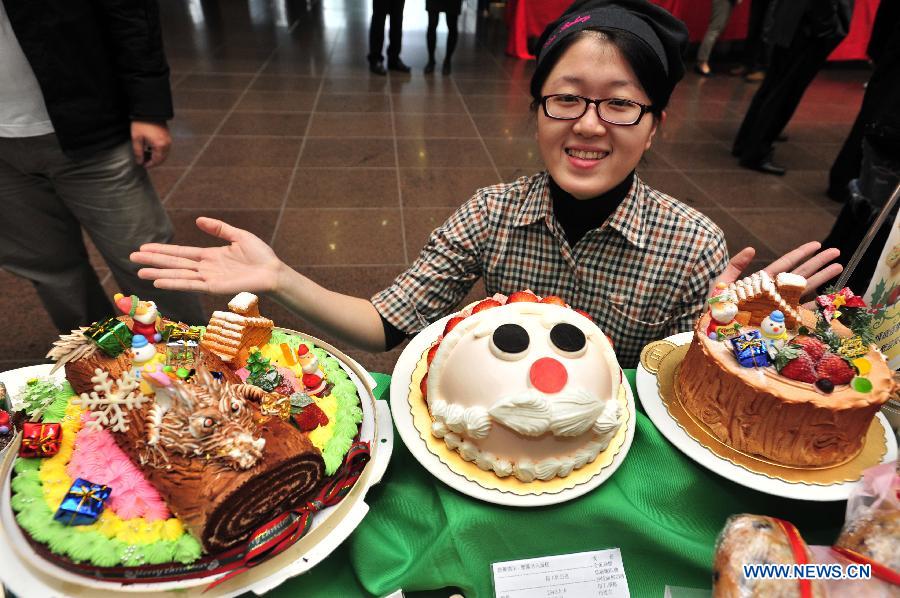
{"type": "Point", "coordinates": [860, 384]}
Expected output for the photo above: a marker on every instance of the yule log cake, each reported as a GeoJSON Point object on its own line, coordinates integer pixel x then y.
{"type": "Point", "coordinates": [169, 444]}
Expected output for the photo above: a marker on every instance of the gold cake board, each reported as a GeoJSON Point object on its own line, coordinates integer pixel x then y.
{"type": "Point", "coordinates": [487, 479]}
{"type": "Point", "coordinates": [666, 363]}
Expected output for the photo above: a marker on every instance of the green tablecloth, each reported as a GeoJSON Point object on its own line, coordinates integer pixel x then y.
{"type": "Point", "coordinates": [660, 508]}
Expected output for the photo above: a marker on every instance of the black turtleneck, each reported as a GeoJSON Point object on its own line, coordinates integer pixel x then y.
{"type": "Point", "coordinates": [578, 216]}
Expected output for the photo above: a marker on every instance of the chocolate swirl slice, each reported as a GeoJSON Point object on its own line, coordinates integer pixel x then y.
{"type": "Point", "coordinates": [222, 506]}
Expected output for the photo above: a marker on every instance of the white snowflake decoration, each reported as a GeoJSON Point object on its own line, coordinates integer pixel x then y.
{"type": "Point", "coordinates": [108, 405]}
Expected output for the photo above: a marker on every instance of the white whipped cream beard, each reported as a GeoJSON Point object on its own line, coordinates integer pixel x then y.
{"type": "Point", "coordinates": [486, 406]}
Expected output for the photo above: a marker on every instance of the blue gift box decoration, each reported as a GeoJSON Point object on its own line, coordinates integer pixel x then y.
{"type": "Point", "coordinates": [750, 350]}
{"type": "Point", "coordinates": [83, 503]}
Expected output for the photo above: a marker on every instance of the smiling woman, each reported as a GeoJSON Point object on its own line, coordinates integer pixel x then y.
{"type": "Point", "coordinates": [588, 229]}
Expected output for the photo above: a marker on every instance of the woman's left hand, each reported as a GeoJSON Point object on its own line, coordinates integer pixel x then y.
{"type": "Point", "coordinates": [807, 261]}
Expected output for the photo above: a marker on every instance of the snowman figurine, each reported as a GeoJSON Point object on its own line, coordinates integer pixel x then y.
{"type": "Point", "coordinates": [142, 349]}
{"type": "Point", "coordinates": [773, 329]}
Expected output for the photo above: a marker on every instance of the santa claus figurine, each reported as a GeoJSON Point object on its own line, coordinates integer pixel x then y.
{"type": "Point", "coordinates": [144, 314]}
{"type": "Point", "coordinates": [723, 309]}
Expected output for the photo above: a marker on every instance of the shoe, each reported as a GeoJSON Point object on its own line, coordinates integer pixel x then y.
{"type": "Point", "coordinates": [429, 67]}
{"type": "Point", "coordinates": [765, 166]}
{"type": "Point", "coordinates": [445, 70]}
{"type": "Point", "coordinates": [377, 68]}
{"type": "Point", "coordinates": [703, 73]}
{"type": "Point", "coordinates": [755, 76]}
{"type": "Point", "coordinates": [397, 65]}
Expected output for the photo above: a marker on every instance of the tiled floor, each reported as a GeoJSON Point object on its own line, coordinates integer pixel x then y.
{"type": "Point", "coordinates": [281, 129]}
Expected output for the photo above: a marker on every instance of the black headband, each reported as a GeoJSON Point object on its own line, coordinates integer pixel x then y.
{"type": "Point", "coordinates": [610, 18]}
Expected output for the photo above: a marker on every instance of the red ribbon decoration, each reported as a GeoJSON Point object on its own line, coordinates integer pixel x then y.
{"type": "Point", "coordinates": [799, 550]}
{"type": "Point", "coordinates": [283, 531]}
{"type": "Point", "coordinates": [878, 570]}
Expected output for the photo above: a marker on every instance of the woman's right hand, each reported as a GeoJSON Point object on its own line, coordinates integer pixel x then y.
{"type": "Point", "coordinates": [247, 264]}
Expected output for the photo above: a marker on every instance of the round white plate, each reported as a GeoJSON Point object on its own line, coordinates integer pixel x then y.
{"type": "Point", "coordinates": [400, 408]}
{"type": "Point", "coordinates": [648, 392]}
{"type": "Point", "coordinates": [24, 572]}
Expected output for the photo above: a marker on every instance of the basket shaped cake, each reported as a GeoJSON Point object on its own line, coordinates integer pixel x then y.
{"type": "Point", "coordinates": [773, 380]}
{"type": "Point", "coordinates": [169, 446]}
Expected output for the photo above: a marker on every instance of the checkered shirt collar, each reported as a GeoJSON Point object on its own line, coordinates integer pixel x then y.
{"type": "Point", "coordinates": [629, 218]}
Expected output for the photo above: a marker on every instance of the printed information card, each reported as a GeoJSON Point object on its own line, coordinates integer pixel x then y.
{"type": "Point", "coordinates": [580, 575]}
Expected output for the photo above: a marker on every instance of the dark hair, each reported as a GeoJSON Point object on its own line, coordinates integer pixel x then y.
{"type": "Point", "coordinates": [643, 61]}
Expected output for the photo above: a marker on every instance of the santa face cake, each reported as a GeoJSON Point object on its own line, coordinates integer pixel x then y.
{"type": "Point", "coordinates": [526, 390]}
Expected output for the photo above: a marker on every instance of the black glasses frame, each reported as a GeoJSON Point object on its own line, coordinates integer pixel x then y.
{"type": "Point", "coordinates": [596, 102]}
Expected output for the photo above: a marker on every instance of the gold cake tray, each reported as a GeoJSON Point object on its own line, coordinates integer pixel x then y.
{"type": "Point", "coordinates": [658, 393]}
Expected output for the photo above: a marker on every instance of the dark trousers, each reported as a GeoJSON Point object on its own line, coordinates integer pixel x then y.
{"type": "Point", "coordinates": [881, 92]}
{"type": "Point", "coordinates": [879, 175]}
{"type": "Point", "coordinates": [773, 105]}
{"type": "Point", "coordinates": [380, 10]}
{"type": "Point", "coordinates": [756, 52]}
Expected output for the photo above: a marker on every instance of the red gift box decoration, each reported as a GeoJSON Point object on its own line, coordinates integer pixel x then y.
{"type": "Point", "coordinates": [40, 440]}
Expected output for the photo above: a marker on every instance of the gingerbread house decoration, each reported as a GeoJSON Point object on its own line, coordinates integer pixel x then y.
{"type": "Point", "coordinates": [759, 296]}
{"type": "Point", "coordinates": [232, 334]}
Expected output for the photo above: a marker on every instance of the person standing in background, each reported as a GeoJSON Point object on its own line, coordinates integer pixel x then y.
{"type": "Point", "coordinates": [756, 51]}
{"type": "Point", "coordinates": [884, 50]}
{"type": "Point", "coordinates": [84, 100]}
{"type": "Point", "coordinates": [380, 10]}
{"type": "Point", "coordinates": [803, 33]}
{"type": "Point", "coordinates": [878, 127]}
{"type": "Point", "coordinates": [718, 19]}
{"type": "Point", "coordinates": [451, 10]}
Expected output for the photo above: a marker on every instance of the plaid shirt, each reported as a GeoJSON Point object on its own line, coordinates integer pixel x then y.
{"type": "Point", "coordinates": [643, 275]}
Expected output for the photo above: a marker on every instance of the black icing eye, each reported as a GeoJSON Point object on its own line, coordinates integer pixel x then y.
{"type": "Point", "coordinates": [209, 422]}
{"type": "Point", "coordinates": [509, 341]}
{"type": "Point", "coordinates": [568, 339]}
{"type": "Point", "coordinates": [235, 407]}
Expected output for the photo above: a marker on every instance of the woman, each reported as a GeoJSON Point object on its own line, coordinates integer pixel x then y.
{"type": "Point", "coordinates": [589, 230]}
{"type": "Point", "coordinates": [451, 10]}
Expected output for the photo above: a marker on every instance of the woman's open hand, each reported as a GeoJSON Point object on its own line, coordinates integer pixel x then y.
{"type": "Point", "coordinates": [247, 264]}
{"type": "Point", "coordinates": [807, 261]}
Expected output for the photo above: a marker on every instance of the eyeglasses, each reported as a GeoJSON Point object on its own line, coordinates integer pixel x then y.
{"type": "Point", "coordinates": [615, 111]}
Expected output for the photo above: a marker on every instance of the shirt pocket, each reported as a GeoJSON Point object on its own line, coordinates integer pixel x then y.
{"type": "Point", "coordinates": [645, 318]}
{"type": "Point", "coordinates": [632, 328]}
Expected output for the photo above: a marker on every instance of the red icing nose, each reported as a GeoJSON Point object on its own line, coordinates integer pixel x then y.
{"type": "Point", "coordinates": [548, 375]}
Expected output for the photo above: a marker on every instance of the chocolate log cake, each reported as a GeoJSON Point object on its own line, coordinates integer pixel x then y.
{"type": "Point", "coordinates": [204, 454]}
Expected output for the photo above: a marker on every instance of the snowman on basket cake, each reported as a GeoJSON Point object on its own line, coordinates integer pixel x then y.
{"type": "Point", "coordinates": [525, 389]}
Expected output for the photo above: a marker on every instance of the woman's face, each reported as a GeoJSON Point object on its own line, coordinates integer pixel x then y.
{"type": "Point", "coordinates": [587, 157]}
